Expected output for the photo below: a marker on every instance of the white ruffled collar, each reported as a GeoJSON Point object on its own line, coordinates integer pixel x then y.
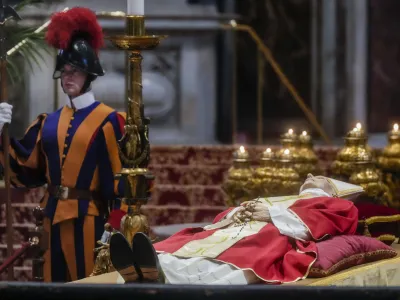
{"type": "Point", "coordinates": [81, 101]}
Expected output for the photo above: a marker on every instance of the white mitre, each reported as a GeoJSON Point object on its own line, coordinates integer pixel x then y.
{"type": "Point", "coordinates": [344, 190]}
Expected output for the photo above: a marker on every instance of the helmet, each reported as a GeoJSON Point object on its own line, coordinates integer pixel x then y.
{"type": "Point", "coordinates": [80, 55]}
{"type": "Point", "coordinates": [78, 36]}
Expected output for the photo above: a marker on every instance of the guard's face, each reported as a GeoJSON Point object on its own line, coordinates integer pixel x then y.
{"type": "Point", "coordinates": [72, 80]}
{"type": "Point", "coordinates": [317, 182]}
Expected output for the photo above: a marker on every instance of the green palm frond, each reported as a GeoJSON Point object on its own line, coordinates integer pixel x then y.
{"type": "Point", "coordinates": [25, 3]}
{"type": "Point", "coordinates": [31, 50]}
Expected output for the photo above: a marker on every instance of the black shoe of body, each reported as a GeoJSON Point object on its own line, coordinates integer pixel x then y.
{"type": "Point", "coordinates": [123, 259]}
{"type": "Point", "coordinates": [146, 259]}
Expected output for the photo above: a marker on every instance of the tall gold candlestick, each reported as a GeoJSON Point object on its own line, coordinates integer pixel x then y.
{"type": "Point", "coordinates": [135, 146]}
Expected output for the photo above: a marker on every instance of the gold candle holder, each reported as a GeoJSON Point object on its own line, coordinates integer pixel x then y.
{"type": "Point", "coordinates": [290, 141]}
{"type": "Point", "coordinates": [263, 183]}
{"type": "Point", "coordinates": [287, 176]}
{"type": "Point", "coordinates": [354, 152]}
{"type": "Point", "coordinates": [369, 177]}
{"type": "Point", "coordinates": [390, 157]}
{"type": "Point", "coordinates": [389, 163]}
{"type": "Point", "coordinates": [134, 147]}
{"type": "Point", "coordinates": [236, 185]}
{"type": "Point", "coordinates": [308, 160]}
{"type": "Point", "coordinates": [355, 163]}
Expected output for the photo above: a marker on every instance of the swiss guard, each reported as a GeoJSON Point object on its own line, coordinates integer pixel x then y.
{"type": "Point", "coordinates": [74, 150]}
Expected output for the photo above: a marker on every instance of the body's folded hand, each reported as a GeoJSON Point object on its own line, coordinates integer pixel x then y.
{"type": "Point", "coordinates": [252, 211]}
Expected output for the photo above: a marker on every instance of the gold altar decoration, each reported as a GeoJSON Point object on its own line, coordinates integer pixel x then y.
{"type": "Point", "coordinates": [264, 182]}
{"type": "Point", "coordinates": [237, 185]}
{"type": "Point", "coordinates": [389, 163]}
{"type": "Point", "coordinates": [103, 263]}
{"type": "Point", "coordinates": [288, 179]}
{"type": "Point", "coordinates": [354, 152]}
{"type": "Point", "coordinates": [307, 159]}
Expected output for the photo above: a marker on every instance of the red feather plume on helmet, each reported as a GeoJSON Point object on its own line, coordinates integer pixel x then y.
{"type": "Point", "coordinates": [76, 22]}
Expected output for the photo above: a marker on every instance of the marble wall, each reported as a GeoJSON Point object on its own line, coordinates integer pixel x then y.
{"type": "Point", "coordinates": [179, 77]}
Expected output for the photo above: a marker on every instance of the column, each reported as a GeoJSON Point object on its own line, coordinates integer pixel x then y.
{"type": "Point", "coordinates": [356, 60]}
{"type": "Point", "coordinates": [328, 66]}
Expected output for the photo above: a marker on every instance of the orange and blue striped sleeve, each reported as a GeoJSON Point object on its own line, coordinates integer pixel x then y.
{"type": "Point", "coordinates": [110, 163]}
{"type": "Point", "coordinates": [27, 163]}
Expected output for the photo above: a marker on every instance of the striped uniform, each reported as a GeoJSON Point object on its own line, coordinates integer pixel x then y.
{"type": "Point", "coordinates": [76, 149]}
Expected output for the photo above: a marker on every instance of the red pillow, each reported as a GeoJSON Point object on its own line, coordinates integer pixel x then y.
{"type": "Point", "coordinates": [346, 251]}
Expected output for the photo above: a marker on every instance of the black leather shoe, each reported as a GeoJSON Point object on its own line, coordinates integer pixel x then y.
{"type": "Point", "coordinates": [122, 258]}
{"type": "Point", "coordinates": [146, 258]}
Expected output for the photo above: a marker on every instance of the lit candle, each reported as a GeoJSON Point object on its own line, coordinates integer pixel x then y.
{"type": "Point", "coordinates": [358, 126]}
{"type": "Point", "coordinates": [290, 131]}
{"type": "Point", "coordinates": [305, 138]}
{"type": "Point", "coordinates": [286, 152]}
{"type": "Point", "coordinates": [135, 7]}
{"type": "Point", "coordinates": [268, 154]}
{"type": "Point", "coordinates": [396, 127]}
{"type": "Point", "coordinates": [241, 153]}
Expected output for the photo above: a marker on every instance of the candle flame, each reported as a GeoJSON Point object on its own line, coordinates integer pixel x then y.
{"type": "Point", "coordinates": [358, 125]}
{"type": "Point", "coordinates": [286, 152]}
{"type": "Point", "coordinates": [241, 149]}
{"type": "Point", "coordinates": [290, 131]}
{"type": "Point", "coordinates": [396, 127]}
{"type": "Point", "coordinates": [304, 133]}
{"type": "Point", "coordinates": [268, 150]}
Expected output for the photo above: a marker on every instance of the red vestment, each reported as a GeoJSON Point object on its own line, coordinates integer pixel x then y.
{"type": "Point", "coordinates": [273, 257]}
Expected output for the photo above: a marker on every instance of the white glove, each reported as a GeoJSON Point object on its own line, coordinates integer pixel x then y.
{"type": "Point", "coordinates": [5, 114]}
